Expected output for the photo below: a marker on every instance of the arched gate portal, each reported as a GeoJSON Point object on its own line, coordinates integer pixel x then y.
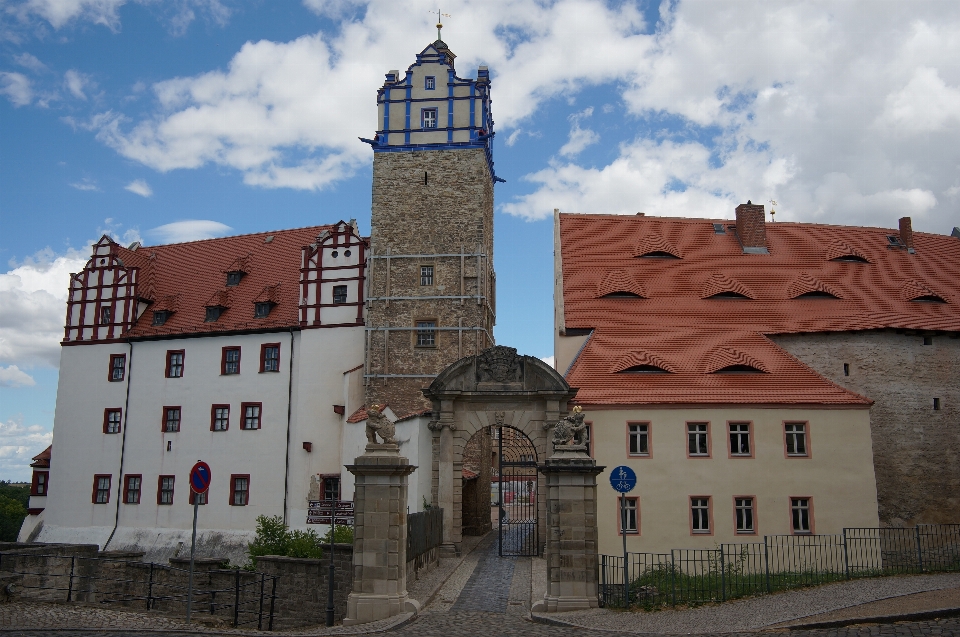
{"type": "Point", "coordinates": [516, 477]}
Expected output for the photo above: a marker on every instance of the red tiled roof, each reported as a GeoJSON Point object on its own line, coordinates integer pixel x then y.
{"type": "Point", "coordinates": [185, 278]}
{"type": "Point", "coordinates": [678, 328]}
{"type": "Point", "coordinates": [42, 459]}
{"type": "Point", "coordinates": [358, 416]}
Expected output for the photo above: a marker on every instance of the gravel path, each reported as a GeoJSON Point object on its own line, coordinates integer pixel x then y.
{"type": "Point", "coordinates": [759, 612]}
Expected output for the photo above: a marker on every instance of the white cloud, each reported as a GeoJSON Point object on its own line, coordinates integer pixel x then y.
{"type": "Point", "coordinates": [74, 81]}
{"type": "Point", "coordinates": [32, 308]}
{"type": "Point", "coordinates": [16, 87]}
{"type": "Point", "coordinates": [31, 62]}
{"type": "Point", "coordinates": [13, 376]}
{"type": "Point", "coordinates": [18, 445]}
{"type": "Point", "coordinates": [925, 104]}
{"type": "Point", "coordinates": [579, 138]}
{"type": "Point", "coordinates": [549, 360]}
{"type": "Point", "coordinates": [139, 187]}
{"type": "Point", "coordinates": [60, 12]}
{"type": "Point", "coordinates": [190, 230]}
{"type": "Point", "coordinates": [86, 184]}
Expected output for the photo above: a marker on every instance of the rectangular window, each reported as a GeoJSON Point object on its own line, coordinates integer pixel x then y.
{"type": "Point", "coordinates": [339, 294]}
{"type": "Point", "coordinates": [428, 118]}
{"type": "Point", "coordinates": [251, 415]}
{"type": "Point", "coordinates": [270, 357]}
{"type": "Point", "coordinates": [936, 404]}
{"type": "Point", "coordinates": [745, 516]}
{"type": "Point", "coordinates": [426, 275]}
{"type": "Point", "coordinates": [796, 438]}
{"type": "Point", "coordinates": [801, 515]}
{"type": "Point", "coordinates": [160, 317]}
{"type": "Point", "coordinates": [118, 366]}
{"type": "Point", "coordinates": [426, 333]}
{"type": "Point", "coordinates": [239, 490]}
{"type": "Point", "coordinates": [698, 439]}
{"type": "Point", "coordinates": [740, 440]}
{"type": "Point", "coordinates": [101, 489]}
{"type": "Point", "coordinates": [213, 314]}
{"type": "Point", "coordinates": [700, 515]}
{"type": "Point", "coordinates": [131, 489]}
{"type": "Point", "coordinates": [106, 316]}
{"type": "Point", "coordinates": [638, 439]}
{"type": "Point", "coordinates": [628, 516]}
{"type": "Point", "coordinates": [165, 490]}
{"type": "Point", "coordinates": [230, 361]}
{"type": "Point", "coordinates": [430, 83]}
{"type": "Point", "coordinates": [111, 420]}
{"type": "Point", "coordinates": [41, 480]}
{"type": "Point", "coordinates": [199, 498]}
{"type": "Point", "coordinates": [174, 363]}
{"type": "Point", "coordinates": [219, 417]}
{"type": "Point", "coordinates": [262, 310]}
{"type": "Point", "coordinates": [171, 419]}
{"type": "Point", "coordinates": [331, 487]}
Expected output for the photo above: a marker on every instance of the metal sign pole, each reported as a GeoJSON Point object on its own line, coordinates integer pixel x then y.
{"type": "Point", "coordinates": [626, 563]}
{"type": "Point", "coordinates": [193, 548]}
{"type": "Point", "coordinates": [333, 532]}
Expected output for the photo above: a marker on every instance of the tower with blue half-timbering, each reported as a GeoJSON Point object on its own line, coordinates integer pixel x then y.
{"type": "Point", "coordinates": [431, 282]}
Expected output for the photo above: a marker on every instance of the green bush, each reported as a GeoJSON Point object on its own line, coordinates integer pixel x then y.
{"type": "Point", "coordinates": [274, 538]}
{"type": "Point", "coordinates": [12, 513]}
{"type": "Point", "coordinates": [344, 535]}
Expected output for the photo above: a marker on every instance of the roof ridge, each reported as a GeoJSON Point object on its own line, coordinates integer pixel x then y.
{"type": "Point", "coordinates": [236, 236]}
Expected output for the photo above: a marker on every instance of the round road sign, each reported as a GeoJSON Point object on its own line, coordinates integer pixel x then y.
{"type": "Point", "coordinates": [623, 479]}
{"type": "Point", "coordinates": [200, 477]}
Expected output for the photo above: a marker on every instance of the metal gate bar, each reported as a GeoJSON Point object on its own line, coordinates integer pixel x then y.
{"type": "Point", "coordinates": [517, 488]}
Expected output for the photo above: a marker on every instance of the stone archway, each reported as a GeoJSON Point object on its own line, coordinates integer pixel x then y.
{"type": "Point", "coordinates": [494, 388]}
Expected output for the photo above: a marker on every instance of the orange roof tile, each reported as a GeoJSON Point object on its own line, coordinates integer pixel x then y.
{"type": "Point", "coordinates": [677, 327]}
{"type": "Point", "coordinates": [42, 459]}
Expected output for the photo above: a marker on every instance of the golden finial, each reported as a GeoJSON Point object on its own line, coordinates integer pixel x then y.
{"type": "Point", "coordinates": [439, 24]}
{"type": "Point", "coordinates": [375, 407]}
{"type": "Point", "coordinates": [772, 211]}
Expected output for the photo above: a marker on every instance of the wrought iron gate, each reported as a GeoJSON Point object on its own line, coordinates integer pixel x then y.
{"type": "Point", "coordinates": [517, 490]}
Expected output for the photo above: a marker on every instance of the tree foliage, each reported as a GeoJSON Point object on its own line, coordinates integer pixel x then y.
{"type": "Point", "coordinates": [274, 538]}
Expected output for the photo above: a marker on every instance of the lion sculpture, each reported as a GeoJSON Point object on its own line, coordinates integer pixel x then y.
{"type": "Point", "coordinates": [571, 431]}
{"type": "Point", "coordinates": [379, 425]}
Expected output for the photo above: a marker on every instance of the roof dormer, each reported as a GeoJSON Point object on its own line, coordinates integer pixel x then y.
{"type": "Point", "coordinates": [216, 305]}
{"type": "Point", "coordinates": [620, 284]}
{"type": "Point", "coordinates": [913, 290]}
{"type": "Point", "coordinates": [652, 245]}
{"type": "Point", "coordinates": [731, 360]}
{"type": "Point", "coordinates": [237, 270]}
{"type": "Point", "coordinates": [721, 286]}
{"type": "Point", "coordinates": [641, 362]}
{"type": "Point", "coordinates": [806, 286]}
{"type": "Point", "coordinates": [840, 251]}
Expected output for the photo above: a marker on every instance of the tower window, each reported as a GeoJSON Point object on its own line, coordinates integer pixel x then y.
{"type": "Point", "coordinates": [426, 275]}
{"type": "Point", "coordinates": [426, 333]}
{"type": "Point", "coordinates": [936, 404]}
{"type": "Point", "coordinates": [428, 118]}
{"type": "Point", "coordinates": [928, 340]}
{"type": "Point", "coordinates": [339, 294]}
{"type": "Point", "coordinates": [430, 83]}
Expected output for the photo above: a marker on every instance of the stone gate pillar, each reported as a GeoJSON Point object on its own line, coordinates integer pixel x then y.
{"type": "Point", "coordinates": [380, 536]}
{"type": "Point", "coordinates": [571, 552]}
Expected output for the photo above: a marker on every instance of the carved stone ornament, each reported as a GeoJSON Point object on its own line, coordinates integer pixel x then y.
{"type": "Point", "coordinates": [499, 364]}
{"type": "Point", "coordinates": [570, 432]}
{"type": "Point", "coordinates": [499, 418]}
{"type": "Point", "coordinates": [379, 425]}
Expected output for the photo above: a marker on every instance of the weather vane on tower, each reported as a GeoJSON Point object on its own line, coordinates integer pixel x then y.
{"type": "Point", "coordinates": [439, 24]}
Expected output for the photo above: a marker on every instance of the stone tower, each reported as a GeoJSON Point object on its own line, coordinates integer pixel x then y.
{"type": "Point", "coordinates": [431, 283]}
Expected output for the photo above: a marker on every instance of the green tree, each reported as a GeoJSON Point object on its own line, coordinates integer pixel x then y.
{"type": "Point", "coordinates": [274, 538]}
{"type": "Point", "coordinates": [12, 513]}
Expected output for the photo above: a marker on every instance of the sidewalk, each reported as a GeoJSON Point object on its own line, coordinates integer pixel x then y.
{"type": "Point", "coordinates": [884, 599]}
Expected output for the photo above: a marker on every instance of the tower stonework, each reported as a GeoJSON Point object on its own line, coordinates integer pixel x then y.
{"type": "Point", "coordinates": [431, 284]}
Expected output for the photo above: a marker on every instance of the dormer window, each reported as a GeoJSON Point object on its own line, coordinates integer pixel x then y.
{"type": "Point", "coordinates": [728, 295]}
{"type": "Point", "coordinates": [622, 295]}
{"type": "Point", "coordinates": [262, 310]}
{"type": "Point", "coordinates": [160, 316]}
{"type": "Point", "coordinates": [929, 298]}
{"type": "Point", "coordinates": [851, 258]}
{"type": "Point", "coordinates": [645, 369]}
{"type": "Point", "coordinates": [739, 369]}
{"type": "Point", "coordinates": [430, 83]}
{"type": "Point", "coordinates": [659, 254]}
{"type": "Point", "coordinates": [816, 294]}
{"type": "Point", "coordinates": [213, 313]}
{"type": "Point", "coordinates": [428, 118]}
{"type": "Point", "coordinates": [233, 278]}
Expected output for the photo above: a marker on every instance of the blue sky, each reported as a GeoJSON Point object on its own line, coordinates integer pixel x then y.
{"type": "Point", "coordinates": [162, 121]}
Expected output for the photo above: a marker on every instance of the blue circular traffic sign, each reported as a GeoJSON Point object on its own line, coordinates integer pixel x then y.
{"type": "Point", "coordinates": [200, 477]}
{"type": "Point", "coordinates": [623, 479]}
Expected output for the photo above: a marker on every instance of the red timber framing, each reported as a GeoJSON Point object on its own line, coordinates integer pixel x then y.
{"type": "Point", "coordinates": [103, 284]}
{"type": "Point", "coordinates": [325, 264]}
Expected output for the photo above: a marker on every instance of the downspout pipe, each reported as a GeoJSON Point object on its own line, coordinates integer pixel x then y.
{"type": "Point", "coordinates": [286, 466]}
{"type": "Point", "coordinates": [123, 447]}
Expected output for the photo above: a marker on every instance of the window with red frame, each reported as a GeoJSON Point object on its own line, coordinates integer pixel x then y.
{"type": "Point", "coordinates": [330, 487]}
{"type": "Point", "coordinates": [106, 316]}
{"type": "Point", "coordinates": [171, 419]}
{"type": "Point", "coordinates": [118, 367]}
{"type": "Point", "coordinates": [219, 417]}
{"type": "Point", "coordinates": [628, 514]}
{"type": "Point", "coordinates": [111, 420]}
{"type": "Point", "coordinates": [251, 415]}
{"type": "Point", "coordinates": [270, 357]}
{"type": "Point", "coordinates": [131, 489]}
{"type": "Point", "coordinates": [174, 363]}
{"type": "Point", "coordinates": [239, 490]}
{"type": "Point", "coordinates": [230, 361]}
{"type": "Point", "coordinates": [165, 489]}
{"type": "Point", "coordinates": [199, 498]}
{"type": "Point", "coordinates": [40, 483]}
{"type": "Point", "coordinates": [700, 514]}
{"type": "Point", "coordinates": [101, 488]}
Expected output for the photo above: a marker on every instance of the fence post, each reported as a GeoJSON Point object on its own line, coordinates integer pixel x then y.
{"type": "Point", "coordinates": [73, 562]}
{"type": "Point", "coordinates": [150, 587]}
{"type": "Point", "coordinates": [260, 614]}
{"type": "Point", "coordinates": [673, 579]}
{"type": "Point", "coordinates": [236, 600]}
{"type": "Point", "coordinates": [846, 557]}
{"type": "Point", "coordinates": [766, 561]}
{"type": "Point", "coordinates": [723, 577]}
{"type": "Point", "coordinates": [919, 548]}
{"type": "Point", "coordinates": [603, 581]}
{"type": "Point", "coordinates": [273, 598]}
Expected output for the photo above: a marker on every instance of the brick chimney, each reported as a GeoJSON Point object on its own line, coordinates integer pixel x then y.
{"type": "Point", "coordinates": [751, 228]}
{"type": "Point", "coordinates": [906, 233]}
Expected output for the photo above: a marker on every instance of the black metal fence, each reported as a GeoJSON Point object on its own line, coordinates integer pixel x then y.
{"type": "Point", "coordinates": [424, 532]}
{"type": "Point", "coordinates": [241, 597]}
{"type": "Point", "coordinates": [728, 571]}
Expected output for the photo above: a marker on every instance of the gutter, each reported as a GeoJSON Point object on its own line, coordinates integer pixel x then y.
{"type": "Point", "coordinates": [123, 447]}
{"type": "Point", "coordinates": [286, 466]}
